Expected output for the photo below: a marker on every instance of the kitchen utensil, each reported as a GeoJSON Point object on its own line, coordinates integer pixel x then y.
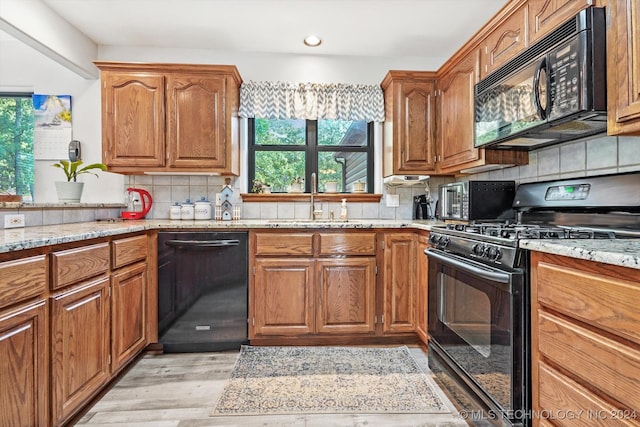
{"type": "Point", "coordinates": [139, 203]}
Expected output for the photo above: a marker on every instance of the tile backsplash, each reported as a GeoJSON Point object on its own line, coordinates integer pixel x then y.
{"type": "Point", "coordinates": [594, 156]}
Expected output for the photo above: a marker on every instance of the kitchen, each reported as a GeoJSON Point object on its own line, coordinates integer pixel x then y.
{"type": "Point", "coordinates": [593, 156]}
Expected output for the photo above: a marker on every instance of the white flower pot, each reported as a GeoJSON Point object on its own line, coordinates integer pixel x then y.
{"type": "Point", "coordinates": [69, 192]}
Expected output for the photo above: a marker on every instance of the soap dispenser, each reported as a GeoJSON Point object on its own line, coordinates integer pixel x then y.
{"type": "Point", "coordinates": [343, 210]}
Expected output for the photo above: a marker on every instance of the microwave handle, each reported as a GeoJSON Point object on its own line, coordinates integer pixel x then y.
{"type": "Point", "coordinates": [543, 112]}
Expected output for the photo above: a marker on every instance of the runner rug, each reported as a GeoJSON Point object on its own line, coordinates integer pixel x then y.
{"type": "Point", "coordinates": [296, 380]}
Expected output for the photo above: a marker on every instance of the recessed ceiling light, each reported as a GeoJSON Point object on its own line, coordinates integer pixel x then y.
{"type": "Point", "coordinates": [312, 41]}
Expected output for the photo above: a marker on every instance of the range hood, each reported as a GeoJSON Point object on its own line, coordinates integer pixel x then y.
{"type": "Point", "coordinates": [404, 180]}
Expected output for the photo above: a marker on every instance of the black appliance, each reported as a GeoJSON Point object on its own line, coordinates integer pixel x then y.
{"type": "Point", "coordinates": [202, 291]}
{"type": "Point", "coordinates": [476, 200]}
{"type": "Point", "coordinates": [421, 207]}
{"type": "Point", "coordinates": [554, 91]}
{"type": "Point", "coordinates": [479, 307]}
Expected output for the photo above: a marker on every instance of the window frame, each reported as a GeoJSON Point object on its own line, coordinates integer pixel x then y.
{"type": "Point", "coordinates": [311, 150]}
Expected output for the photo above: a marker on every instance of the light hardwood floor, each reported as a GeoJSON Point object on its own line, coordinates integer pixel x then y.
{"type": "Point", "coordinates": [179, 390]}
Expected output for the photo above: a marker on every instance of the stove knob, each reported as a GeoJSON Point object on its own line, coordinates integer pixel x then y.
{"type": "Point", "coordinates": [444, 241]}
{"type": "Point", "coordinates": [433, 238]}
{"type": "Point", "coordinates": [494, 253]}
{"type": "Point", "coordinates": [478, 249]}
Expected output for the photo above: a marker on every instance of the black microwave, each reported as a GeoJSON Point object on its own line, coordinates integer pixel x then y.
{"type": "Point", "coordinates": [476, 201]}
{"type": "Point", "coordinates": [554, 91]}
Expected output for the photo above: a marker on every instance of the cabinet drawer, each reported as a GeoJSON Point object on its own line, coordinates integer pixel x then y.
{"type": "Point", "coordinates": [347, 244]}
{"type": "Point", "coordinates": [130, 250]}
{"type": "Point", "coordinates": [558, 394]}
{"type": "Point", "coordinates": [74, 265]}
{"type": "Point", "coordinates": [284, 244]}
{"type": "Point", "coordinates": [603, 363]}
{"type": "Point", "coordinates": [22, 279]}
{"type": "Point", "coordinates": [605, 302]}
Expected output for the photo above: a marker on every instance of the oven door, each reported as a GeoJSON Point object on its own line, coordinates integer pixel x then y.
{"type": "Point", "coordinates": [478, 319]}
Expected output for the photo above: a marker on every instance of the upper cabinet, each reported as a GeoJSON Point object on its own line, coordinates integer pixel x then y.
{"type": "Point", "coordinates": [546, 15]}
{"type": "Point", "coordinates": [456, 113]}
{"type": "Point", "coordinates": [409, 128]}
{"type": "Point", "coordinates": [170, 118]}
{"type": "Point", "coordinates": [623, 67]}
{"type": "Point", "coordinates": [507, 40]}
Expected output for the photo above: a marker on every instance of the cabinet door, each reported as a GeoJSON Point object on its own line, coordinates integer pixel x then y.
{"type": "Point", "coordinates": [24, 388]}
{"type": "Point", "coordinates": [283, 296]}
{"type": "Point", "coordinates": [345, 300]}
{"type": "Point", "coordinates": [79, 346]}
{"type": "Point", "coordinates": [457, 113]}
{"type": "Point", "coordinates": [399, 282]}
{"type": "Point", "coordinates": [422, 277]}
{"type": "Point", "coordinates": [504, 43]}
{"type": "Point", "coordinates": [411, 141]}
{"type": "Point", "coordinates": [196, 125]}
{"type": "Point", "coordinates": [546, 15]}
{"type": "Point", "coordinates": [133, 119]}
{"type": "Point", "coordinates": [623, 67]}
{"type": "Point", "coordinates": [128, 314]}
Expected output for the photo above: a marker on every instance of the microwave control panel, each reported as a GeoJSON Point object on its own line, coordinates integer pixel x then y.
{"type": "Point", "coordinates": [565, 78]}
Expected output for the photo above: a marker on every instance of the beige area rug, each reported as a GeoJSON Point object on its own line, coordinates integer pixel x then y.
{"type": "Point", "coordinates": [329, 380]}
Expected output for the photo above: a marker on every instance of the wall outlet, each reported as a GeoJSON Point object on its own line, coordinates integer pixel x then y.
{"type": "Point", "coordinates": [393, 200]}
{"type": "Point", "coordinates": [14, 221]}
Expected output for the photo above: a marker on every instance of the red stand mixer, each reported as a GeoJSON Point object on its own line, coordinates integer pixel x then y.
{"type": "Point", "coordinates": [138, 204]}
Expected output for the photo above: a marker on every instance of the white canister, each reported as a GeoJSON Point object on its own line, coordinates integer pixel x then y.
{"type": "Point", "coordinates": [202, 209]}
{"type": "Point", "coordinates": [187, 210]}
{"type": "Point", "coordinates": [175, 211]}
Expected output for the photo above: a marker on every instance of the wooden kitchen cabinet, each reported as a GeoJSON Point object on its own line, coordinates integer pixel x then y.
{"type": "Point", "coordinates": [312, 284]}
{"type": "Point", "coordinates": [346, 295]}
{"type": "Point", "coordinates": [24, 365]}
{"type": "Point", "coordinates": [79, 346]}
{"type": "Point", "coordinates": [623, 67]}
{"type": "Point", "coordinates": [128, 314]}
{"type": "Point", "coordinates": [422, 278]}
{"type": "Point", "coordinates": [409, 138]}
{"type": "Point", "coordinates": [399, 282]}
{"type": "Point", "coordinates": [284, 297]}
{"type": "Point", "coordinates": [547, 15]}
{"type": "Point", "coordinates": [170, 117]}
{"type": "Point", "coordinates": [585, 338]}
{"type": "Point", "coordinates": [504, 42]}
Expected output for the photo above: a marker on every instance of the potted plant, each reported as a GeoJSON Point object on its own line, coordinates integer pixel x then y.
{"type": "Point", "coordinates": [70, 191]}
{"type": "Point", "coordinates": [260, 187]}
{"type": "Point", "coordinates": [296, 185]}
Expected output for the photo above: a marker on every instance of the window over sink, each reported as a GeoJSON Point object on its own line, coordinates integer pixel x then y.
{"type": "Point", "coordinates": [17, 173]}
{"type": "Point", "coordinates": [338, 151]}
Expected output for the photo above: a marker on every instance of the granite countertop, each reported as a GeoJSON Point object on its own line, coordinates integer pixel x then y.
{"type": "Point", "coordinates": [623, 252]}
{"type": "Point", "coordinates": [15, 239]}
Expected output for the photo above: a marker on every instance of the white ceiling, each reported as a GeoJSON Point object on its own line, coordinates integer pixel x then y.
{"type": "Point", "coordinates": [376, 28]}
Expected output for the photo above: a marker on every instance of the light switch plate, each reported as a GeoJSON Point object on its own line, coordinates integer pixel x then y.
{"type": "Point", "coordinates": [393, 200]}
{"type": "Point", "coordinates": [14, 220]}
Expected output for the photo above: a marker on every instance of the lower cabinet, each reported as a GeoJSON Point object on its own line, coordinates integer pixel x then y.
{"type": "Point", "coordinates": [24, 363]}
{"type": "Point", "coordinates": [422, 278]}
{"type": "Point", "coordinates": [79, 346]}
{"type": "Point", "coordinates": [128, 314]}
{"type": "Point", "coordinates": [585, 341]}
{"type": "Point", "coordinates": [346, 295]}
{"type": "Point", "coordinates": [327, 284]}
{"type": "Point", "coordinates": [283, 296]}
{"type": "Point", "coordinates": [399, 282]}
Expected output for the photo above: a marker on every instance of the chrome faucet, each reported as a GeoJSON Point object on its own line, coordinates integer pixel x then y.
{"type": "Point", "coordinates": [314, 190]}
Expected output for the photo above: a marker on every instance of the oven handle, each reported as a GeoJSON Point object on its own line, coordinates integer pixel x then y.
{"type": "Point", "coordinates": [495, 276]}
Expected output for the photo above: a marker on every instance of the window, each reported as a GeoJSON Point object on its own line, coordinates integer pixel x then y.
{"type": "Point", "coordinates": [336, 150]}
{"type": "Point", "coordinates": [16, 145]}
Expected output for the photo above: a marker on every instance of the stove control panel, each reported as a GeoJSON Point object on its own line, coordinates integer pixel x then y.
{"type": "Point", "coordinates": [486, 252]}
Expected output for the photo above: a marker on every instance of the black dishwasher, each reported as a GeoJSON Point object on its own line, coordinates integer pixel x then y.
{"type": "Point", "coordinates": [202, 291]}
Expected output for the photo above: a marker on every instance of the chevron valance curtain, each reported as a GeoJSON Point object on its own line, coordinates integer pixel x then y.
{"type": "Point", "coordinates": [311, 101]}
